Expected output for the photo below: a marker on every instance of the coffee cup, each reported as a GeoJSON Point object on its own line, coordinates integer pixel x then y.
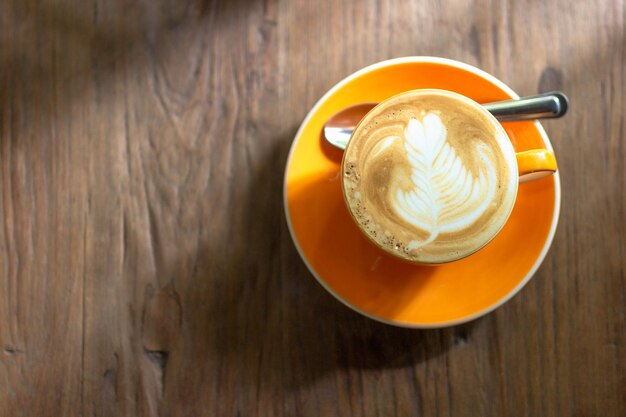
{"type": "Point", "coordinates": [431, 177]}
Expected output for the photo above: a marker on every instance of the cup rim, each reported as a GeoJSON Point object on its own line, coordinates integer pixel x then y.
{"type": "Point", "coordinates": [510, 159]}
{"type": "Point", "coordinates": [423, 60]}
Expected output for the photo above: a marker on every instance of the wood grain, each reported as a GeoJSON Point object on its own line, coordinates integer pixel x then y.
{"type": "Point", "coordinates": [145, 264]}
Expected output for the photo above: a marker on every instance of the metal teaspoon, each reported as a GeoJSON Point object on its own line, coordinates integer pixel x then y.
{"type": "Point", "coordinates": [340, 126]}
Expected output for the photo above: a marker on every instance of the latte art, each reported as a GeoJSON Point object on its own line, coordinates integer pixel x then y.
{"type": "Point", "coordinates": [429, 176]}
{"type": "Point", "coordinates": [445, 196]}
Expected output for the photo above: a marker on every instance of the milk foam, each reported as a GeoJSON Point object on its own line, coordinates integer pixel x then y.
{"type": "Point", "coordinates": [429, 176]}
{"type": "Point", "coordinates": [445, 196]}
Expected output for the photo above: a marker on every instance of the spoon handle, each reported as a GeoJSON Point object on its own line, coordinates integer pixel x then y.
{"type": "Point", "coordinates": [543, 106]}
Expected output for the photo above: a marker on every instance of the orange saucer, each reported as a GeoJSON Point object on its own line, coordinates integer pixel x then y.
{"type": "Point", "coordinates": [364, 277]}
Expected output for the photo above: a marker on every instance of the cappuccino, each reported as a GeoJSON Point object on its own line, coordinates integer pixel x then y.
{"type": "Point", "coordinates": [430, 176]}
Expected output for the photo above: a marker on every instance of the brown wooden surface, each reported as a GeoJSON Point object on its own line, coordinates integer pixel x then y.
{"type": "Point", "coordinates": [145, 264]}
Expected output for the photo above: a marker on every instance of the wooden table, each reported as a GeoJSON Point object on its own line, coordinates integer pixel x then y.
{"type": "Point", "coordinates": [146, 268]}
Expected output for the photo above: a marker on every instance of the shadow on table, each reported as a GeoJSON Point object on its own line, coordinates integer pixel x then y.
{"type": "Point", "coordinates": [283, 329]}
{"type": "Point", "coordinates": [56, 54]}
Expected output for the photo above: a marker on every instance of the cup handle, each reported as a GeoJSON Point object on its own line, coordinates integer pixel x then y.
{"type": "Point", "coordinates": [535, 164]}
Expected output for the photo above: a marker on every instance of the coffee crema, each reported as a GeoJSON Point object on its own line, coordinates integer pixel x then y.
{"type": "Point", "coordinates": [430, 176]}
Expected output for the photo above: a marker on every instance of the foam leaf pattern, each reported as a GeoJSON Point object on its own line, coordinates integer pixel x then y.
{"type": "Point", "coordinates": [445, 195]}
